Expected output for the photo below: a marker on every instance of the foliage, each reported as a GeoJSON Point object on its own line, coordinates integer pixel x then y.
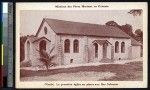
{"type": "Point", "coordinates": [26, 64]}
{"type": "Point", "coordinates": [46, 58]}
{"type": "Point", "coordinates": [135, 12]}
{"type": "Point", "coordinates": [112, 23]}
{"type": "Point", "coordinates": [139, 32]}
{"type": "Point", "coordinates": [127, 28]}
{"type": "Point", "coordinates": [139, 35]}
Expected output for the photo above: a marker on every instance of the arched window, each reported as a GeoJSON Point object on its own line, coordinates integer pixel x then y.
{"type": "Point", "coordinates": [28, 50]}
{"type": "Point", "coordinates": [67, 46]}
{"type": "Point", "coordinates": [76, 46]}
{"type": "Point", "coordinates": [96, 50]}
{"type": "Point", "coordinates": [116, 47]}
{"type": "Point", "coordinates": [45, 30]}
{"type": "Point", "coordinates": [122, 47]}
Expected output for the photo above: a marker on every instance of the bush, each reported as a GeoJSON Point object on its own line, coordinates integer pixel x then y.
{"type": "Point", "coordinates": [26, 64]}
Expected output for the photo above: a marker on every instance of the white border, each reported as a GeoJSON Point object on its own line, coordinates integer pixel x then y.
{"type": "Point", "coordinates": [112, 6]}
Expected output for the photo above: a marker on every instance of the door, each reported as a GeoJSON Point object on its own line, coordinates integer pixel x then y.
{"type": "Point", "coordinates": [42, 45]}
{"type": "Point", "coordinates": [105, 50]}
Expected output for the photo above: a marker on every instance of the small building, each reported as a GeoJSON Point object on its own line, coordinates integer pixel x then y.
{"type": "Point", "coordinates": [79, 43]}
{"type": "Point", "coordinates": [135, 50]}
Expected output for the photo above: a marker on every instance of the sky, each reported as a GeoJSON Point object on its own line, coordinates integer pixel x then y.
{"type": "Point", "coordinates": [31, 20]}
{"type": "Point", "coordinates": [5, 7]}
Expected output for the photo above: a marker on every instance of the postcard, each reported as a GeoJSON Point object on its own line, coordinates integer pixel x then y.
{"type": "Point", "coordinates": [81, 45]}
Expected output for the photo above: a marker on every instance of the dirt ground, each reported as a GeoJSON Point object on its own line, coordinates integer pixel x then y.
{"type": "Point", "coordinates": [132, 71]}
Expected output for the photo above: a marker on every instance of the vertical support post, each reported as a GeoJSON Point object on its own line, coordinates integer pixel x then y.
{"type": "Point", "coordinates": [86, 50]}
{"type": "Point", "coordinates": [112, 52]}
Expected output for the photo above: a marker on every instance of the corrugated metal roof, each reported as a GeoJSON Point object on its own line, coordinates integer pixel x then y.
{"type": "Point", "coordinates": [87, 29]}
{"type": "Point", "coordinates": [78, 28]}
{"type": "Point", "coordinates": [41, 38]}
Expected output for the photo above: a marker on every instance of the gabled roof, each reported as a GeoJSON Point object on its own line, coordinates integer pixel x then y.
{"type": "Point", "coordinates": [135, 43]}
{"type": "Point", "coordinates": [35, 39]}
{"type": "Point", "coordinates": [41, 38]}
{"type": "Point", "coordinates": [87, 29]}
{"type": "Point", "coordinates": [101, 42]}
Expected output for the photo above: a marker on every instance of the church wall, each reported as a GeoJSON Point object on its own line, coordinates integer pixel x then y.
{"type": "Point", "coordinates": [51, 35]}
{"type": "Point", "coordinates": [77, 57]}
{"type": "Point", "coordinates": [35, 54]}
{"type": "Point", "coordinates": [127, 45]}
{"type": "Point", "coordinates": [136, 52]}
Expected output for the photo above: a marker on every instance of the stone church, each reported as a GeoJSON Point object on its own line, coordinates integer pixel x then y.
{"type": "Point", "coordinates": [80, 43]}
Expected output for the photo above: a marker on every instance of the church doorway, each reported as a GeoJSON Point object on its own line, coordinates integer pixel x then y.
{"type": "Point", "coordinates": [42, 45]}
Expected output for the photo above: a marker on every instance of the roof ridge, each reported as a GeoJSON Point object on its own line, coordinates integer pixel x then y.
{"type": "Point", "coordinates": [82, 28]}
{"type": "Point", "coordinates": [75, 21]}
{"type": "Point", "coordinates": [82, 23]}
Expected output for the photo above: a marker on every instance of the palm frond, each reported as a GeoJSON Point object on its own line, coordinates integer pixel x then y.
{"type": "Point", "coordinates": [41, 53]}
{"type": "Point", "coordinates": [45, 57]}
{"type": "Point", "coordinates": [52, 50]}
{"type": "Point", "coordinates": [52, 57]}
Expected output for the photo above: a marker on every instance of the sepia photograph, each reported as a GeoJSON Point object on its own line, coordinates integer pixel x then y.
{"type": "Point", "coordinates": [80, 45]}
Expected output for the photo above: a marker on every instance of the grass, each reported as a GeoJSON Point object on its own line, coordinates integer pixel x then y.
{"type": "Point", "coordinates": [132, 71]}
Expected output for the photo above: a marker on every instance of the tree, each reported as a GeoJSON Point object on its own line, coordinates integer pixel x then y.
{"type": "Point", "coordinates": [46, 58]}
{"type": "Point", "coordinates": [139, 32]}
{"type": "Point", "coordinates": [127, 28]}
{"type": "Point", "coordinates": [112, 23]}
{"type": "Point", "coordinates": [139, 35]}
{"type": "Point", "coordinates": [135, 12]}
